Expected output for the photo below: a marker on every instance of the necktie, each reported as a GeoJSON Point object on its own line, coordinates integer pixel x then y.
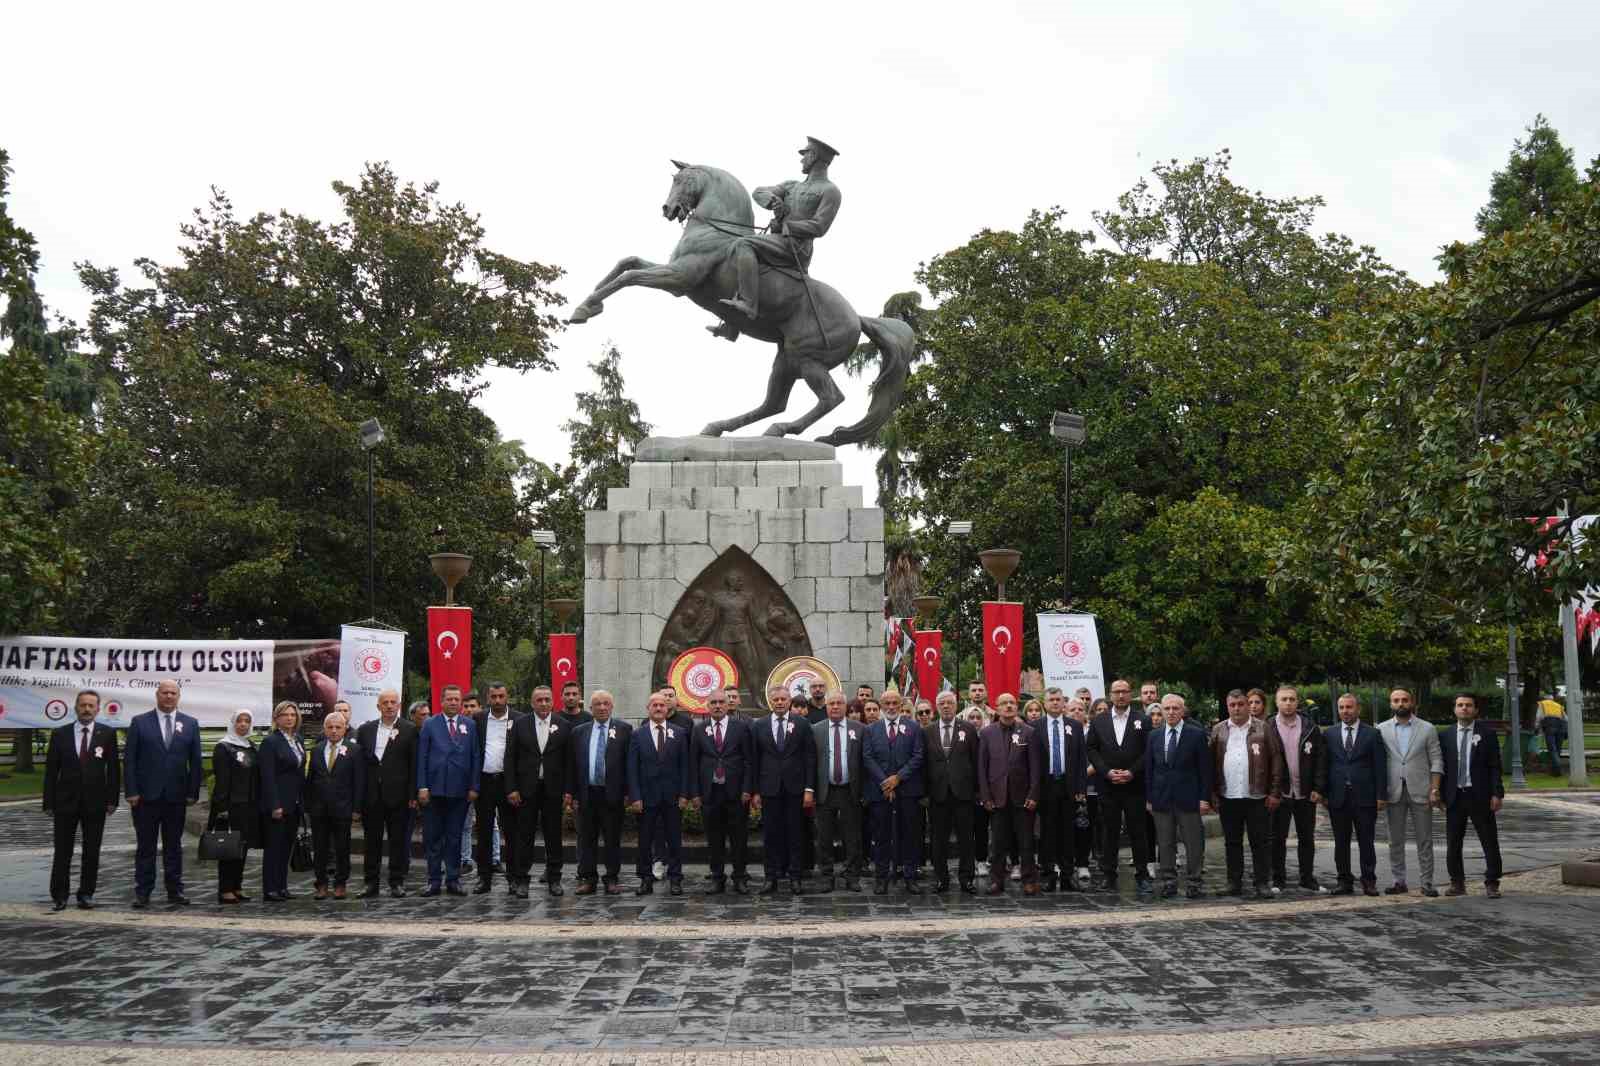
{"type": "Point", "coordinates": [719, 736]}
{"type": "Point", "coordinates": [451, 722]}
{"type": "Point", "coordinates": [1172, 744]}
{"type": "Point", "coordinates": [777, 731]}
{"type": "Point", "coordinates": [838, 757]}
{"type": "Point", "coordinates": [597, 773]}
{"type": "Point", "coordinates": [327, 756]}
{"type": "Point", "coordinates": [1349, 738]}
{"type": "Point", "coordinates": [1056, 768]}
{"type": "Point", "coordinates": [166, 730]}
{"type": "Point", "coordinates": [946, 728]}
{"type": "Point", "coordinates": [1463, 755]}
{"type": "Point", "coordinates": [661, 737]}
{"type": "Point", "coordinates": [83, 748]}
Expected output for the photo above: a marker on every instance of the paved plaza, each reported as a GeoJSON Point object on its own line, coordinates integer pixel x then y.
{"type": "Point", "coordinates": [1066, 978]}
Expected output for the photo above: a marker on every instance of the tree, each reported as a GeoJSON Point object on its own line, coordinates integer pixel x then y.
{"type": "Point", "coordinates": [1538, 177]}
{"type": "Point", "coordinates": [235, 381]}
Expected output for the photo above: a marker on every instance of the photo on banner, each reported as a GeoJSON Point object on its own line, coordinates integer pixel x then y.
{"type": "Point", "coordinates": [1069, 650]}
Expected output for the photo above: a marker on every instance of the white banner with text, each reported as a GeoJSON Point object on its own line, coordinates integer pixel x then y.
{"type": "Point", "coordinates": [1069, 652]}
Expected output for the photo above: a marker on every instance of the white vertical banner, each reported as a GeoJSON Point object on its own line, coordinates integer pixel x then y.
{"type": "Point", "coordinates": [370, 660]}
{"type": "Point", "coordinates": [1069, 652]}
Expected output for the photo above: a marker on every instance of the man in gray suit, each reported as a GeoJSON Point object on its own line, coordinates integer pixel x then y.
{"type": "Point", "coordinates": [1416, 766]}
{"type": "Point", "coordinates": [838, 792]}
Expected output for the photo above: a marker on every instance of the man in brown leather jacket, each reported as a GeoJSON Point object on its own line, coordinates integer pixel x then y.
{"type": "Point", "coordinates": [1250, 780]}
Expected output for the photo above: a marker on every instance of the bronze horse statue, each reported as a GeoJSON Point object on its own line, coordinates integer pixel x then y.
{"type": "Point", "coordinates": [814, 330]}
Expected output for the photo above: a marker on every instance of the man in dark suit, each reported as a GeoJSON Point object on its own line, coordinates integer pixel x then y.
{"type": "Point", "coordinates": [1179, 775]}
{"type": "Point", "coordinates": [1358, 779]}
{"type": "Point", "coordinates": [334, 790]}
{"type": "Point", "coordinates": [950, 746]}
{"type": "Point", "coordinates": [892, 756]}
{"type": "Point", "coordinates": [81, 780]}
{"type": "Point", "coordinates": [1472, 791]}
{"type": "Point", "coordinates": [658, 783]}
{"type": "Point", "coordinates": [572, 713]}
{"type": "Point", "coordinates": [537, 760]}
{"type": "Point", "coordinates": [719, 780]}
{"type": "Point", "coordinates": [493, 809]}
{"type": "Point", "coordinates": [1062, 787]}
{"type": "Point", "coordinates": [784, 776]}
{"type": "Point", "coordinates": [838, 792]}
{"type": "Point", "coordinates": [1009, 766]}
{"type": "Point", "coordinates": [1116, 744]}
{"type": "Point", "coordinates": [447, 782]}
{"type": "Point", "coordinates": [162, 777]}
{"type": "Point", "coordinates": [388, 747]}
{"type": "Point", "coordinates": [598, 777]}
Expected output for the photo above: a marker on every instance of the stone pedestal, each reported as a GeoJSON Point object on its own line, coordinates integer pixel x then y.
{"type": "Point", "coordinates": [793, 517]}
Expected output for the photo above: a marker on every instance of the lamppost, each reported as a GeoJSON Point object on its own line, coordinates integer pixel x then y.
{"type": "Point", "coordinates": [1067, 428]}
{"type": "Point", "coordinates": [963, 530]}
{"type": "Point", "coordinates": [371, 437]}
{"type": "Point", "coordinates": [545, 541]}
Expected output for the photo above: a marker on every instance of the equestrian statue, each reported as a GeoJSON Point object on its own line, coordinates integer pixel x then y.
{"type": "Point", "coordinates": [758, 283]}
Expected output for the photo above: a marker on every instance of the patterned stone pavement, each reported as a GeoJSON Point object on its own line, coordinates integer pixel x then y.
{"type": "Point", "coordinates": [1059, 979]}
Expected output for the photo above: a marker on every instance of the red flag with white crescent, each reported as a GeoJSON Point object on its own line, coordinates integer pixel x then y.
{"type": "Point", "coordinates": [1002, 648]}
{"type": "Point", "coordinates": [930, 662]}
{"type": "Point", "coordinates": [449, 649]}
{"type": "Point", "coordinates": [563, 661]}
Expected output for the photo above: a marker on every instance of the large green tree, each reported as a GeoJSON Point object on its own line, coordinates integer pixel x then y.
{"type": "Point", "coordinates": [233, 495]}
{"type": "Point", "coordinates": [1538, 178]}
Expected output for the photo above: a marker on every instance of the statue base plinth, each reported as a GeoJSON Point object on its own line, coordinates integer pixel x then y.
{"type": "Point", "coordinates": [730, 449]}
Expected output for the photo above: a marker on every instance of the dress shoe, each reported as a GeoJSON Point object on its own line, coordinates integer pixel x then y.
{"type": "Point", "coordinates": [969, 887]}
{"type": "Point", "coordinates": [1169, 890]}
{"type": "Point", "coordinates": [1491, 889]}
{"type": "Point", "coordinates": [1397, 889]}
{"type": "Point", "coordinates": [585, 888]}
{"type": "Point", "coordinates": [320, 893]}
{"type": "Point", "coordinates": [58, 904]}
{"type": "Point", "coordinates": [229, 901]}
{"type": "Point", "coordinates": [1311, 884]}
{"type": "Point", "coordinates": [1259, 892]}
{"type": "Point", "coordinates": [466, 866]}
{"type": "Point", "coordinates": [613, 889]}
{"type": "Point", "coordinates": [997, 887]}
{"type": "Point", "coordinates": [1456, 888]}
{"type": "Point", "coordinates": [828, 885]}
{"type": "Point", "coordinates": [880, 886]}
{"type": "Point", "coordinates": [797, 887]}
{"type": "Point", "coordinates": [275, 897]}
{"type": "Point", "coordinates": [941, 886]}
{"type": "Point", "coordinates": [647, 887]}
{"type": "Point", "coordinates": [912, 887]}
{"type": "Point", "coordinates": [454, 889]}
{"type": "Point", "coordinates": [1070, 883]}
{"type": "Point", "coordinates": [86, 903]}
{"type": "Point", "coordinates": [430, 892]}
{"type": "Point", "coordinates": [555, 889]}
{"type": "Point", "coordinates": [497, 868]}
{"type": "Point", "coordinates": [1193, 892]}
{"type": "Point", "coordinates": [516, 890]}
{"type": "Point", "coordinates": [718, 887]}
{"type": "Point", "coordinates": [338, 892]}
{"type": "Point", "coordinates": [397, 890]}
{"type": "Point", "coordinates": [852, 885]}
{"type": "Point", "coordinates": [674, 886]}
{"type": "Point", "coordinates": [1234, 889]}
{"type": "Point", "coordinates": [1144, 886]}
{"type": "Point", "coordinates": [481, 887]}
{"type": "Point", "coordinates": [1343, 888]}
{"type": "Point", "coordinates": [1430, 891]}
{"type": "Point", "coordinates": [177, 899]}
{"type": "Point", "coordinates": [1049, 884]}
{"type": "Point", "coordinates": [1369, 888]}
{"type": "Point", "coordinates": [1031, 888]}
{"type": "Point", "coordinates": [371, 892]}
{"type": "Point", "coordinates": [769, 889]}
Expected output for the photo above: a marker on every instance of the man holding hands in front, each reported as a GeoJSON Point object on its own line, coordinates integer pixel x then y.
{"type": "Point", "coordinates": [1008, 786]}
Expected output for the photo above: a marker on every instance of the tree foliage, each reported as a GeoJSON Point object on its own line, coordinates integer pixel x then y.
{"type": "Point", "coordinates": [1537, 179]}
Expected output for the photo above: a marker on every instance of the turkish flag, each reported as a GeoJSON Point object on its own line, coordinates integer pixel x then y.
{"type": "Point", "coordinates": [563, 661]}
{"type": "Point", "coordinates": [449, 649]}
{"type": "Point", "coordinates": [1002, 648]}
{"type": "Point", "coordinates": [930, 663]}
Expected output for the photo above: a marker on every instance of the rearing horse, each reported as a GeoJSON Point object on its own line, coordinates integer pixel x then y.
{"type": "Point", "coordinates": [814, 332]}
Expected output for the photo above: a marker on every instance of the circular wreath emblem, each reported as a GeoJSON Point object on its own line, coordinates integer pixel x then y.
{"type": "Point", "coordinates": [699, 672]}
{"type": "Point", "coordinates": [799, 672]}
{"type": "Point", "coordinates": [55, 710]}
{"type": "Point", "coordinates": [372, 663]}
{"type": "Point", "coordinates": [1070, 650]}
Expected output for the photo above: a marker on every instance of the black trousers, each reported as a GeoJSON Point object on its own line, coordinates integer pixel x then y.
{"type": "Point", "coordinates": [391, 825]}
{"type": "Point", "coordinates": [957, 814]}
{"type": "Point", "coordinates": [277, 838]}
{"type": "Point", "coordinates": [980, 831]}
{"type": "Point", "coordinates": [330, 844]}
{"type": "Point", "coordinates": [663, 822]}
{"type": "Point", "coordinates": [1302, 814]}
{"type": "Point", "coordinates": [1086, 840]}
{"type": "Point", "coordinates": [1058, 809]}
{"type": "Point", "coordinates": [808, 840]}
{"type": "Point", "coordinates": [1011, 831]}
{"type": "Point", "coordinates": [896, 836]}
{"type": "Point", "coordinates": [1122, 805]}
{"type": "Point", "coordinates": [1364, 822]}
{"type": "Point", "coordinates": [1471, 805]}
{"type": "Point", "coordinates": [1246, 818]}
{"type": "Point", "coordinates": [492, 802]}
{"type": "Point", "coordinates": [94, 827]}
{"type": "Point", "coordinates": [539, 815]}
{"type": "Point", "coordinates": [782, 824]}
{"type": "Point", "coordinates": [163, 818]}
{"type": "Point", "coordinates": [597, 818]}
{"type": "Point", "coordinates": [838, 816]}
{"type": "Point", "coordinates": [727, 823]}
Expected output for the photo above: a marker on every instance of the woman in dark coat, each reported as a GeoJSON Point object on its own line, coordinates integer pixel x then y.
{"type": "Point", "coordinates": [234, 794]}
{"type": "Point", "coordinates": [283, 777]}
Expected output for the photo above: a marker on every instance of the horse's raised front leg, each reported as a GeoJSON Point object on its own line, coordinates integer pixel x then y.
{"type": "Point", "coordinates": [828, 393]}
{"type": "Point", "coordinates": [779, 385]}
{"type": "Point", "coordinates": [593, 303]}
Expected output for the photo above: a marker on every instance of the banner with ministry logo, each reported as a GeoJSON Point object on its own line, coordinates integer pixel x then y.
{"type": "Point", "coordinates": [1069, 650]}
{"type": "Point", "coordinates": [370, 660]}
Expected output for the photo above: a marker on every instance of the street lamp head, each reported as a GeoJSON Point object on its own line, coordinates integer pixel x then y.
{"type": "Point", "coordinates": [1067, 428]}
{"type": "Point", "coordinates": [961, 529]}
{"type": "Point", "coordinates": [544, 539]}
{"type": "Point", "coordinates": [371, 434]}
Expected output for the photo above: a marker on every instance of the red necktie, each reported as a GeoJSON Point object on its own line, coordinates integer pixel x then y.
{"type": "Point", "coordinates": [83, 748]}
{"type": "Point", "coordinates": [451, 722]}
{"type": "Point", "coordinates": [719, 736]}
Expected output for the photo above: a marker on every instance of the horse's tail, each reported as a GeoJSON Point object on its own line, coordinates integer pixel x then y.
{"type": "Point", "coordinates": [896, 342]}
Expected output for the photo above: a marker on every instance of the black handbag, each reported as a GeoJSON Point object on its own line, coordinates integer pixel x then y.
{"type": "Point", "coordinates": [221, 845]}
{"type": "Point", "coordinates": [300, 856]}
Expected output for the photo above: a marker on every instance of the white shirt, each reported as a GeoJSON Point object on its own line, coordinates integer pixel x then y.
{"type": "Point", "coordinates": [495, 732]}
{"type": "Point", "coordinates": [1236, 762]}
{"type": "Point", "coordinates": [1464, 769]}
{"type": "Point", "coordinates": [1119, 722]}
{"type": "Point", "coordinates": [384, 734]}
{"type": "Point", "coordinates": [1402, 736]}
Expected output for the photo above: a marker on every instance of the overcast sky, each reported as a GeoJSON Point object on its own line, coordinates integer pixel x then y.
{"type": "Point", "coordinates": [556, 124]}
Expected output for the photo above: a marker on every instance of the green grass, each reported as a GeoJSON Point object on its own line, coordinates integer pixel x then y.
{"type": "Point", "coordinates": [15, 785]}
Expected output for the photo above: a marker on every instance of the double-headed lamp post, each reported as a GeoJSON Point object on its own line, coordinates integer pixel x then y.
{"type": "Point", "coordinates": [1067, 428]}
{"type": "Point", "coordinates": [371, 437]}
{"type": "Point", "coordinates": [545, 541]}
{"type": "Point", "coordinates": [962, 529]}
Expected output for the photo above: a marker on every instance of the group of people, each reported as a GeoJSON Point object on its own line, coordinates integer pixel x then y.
{"type": "Point", "coordinates": [843, 790]}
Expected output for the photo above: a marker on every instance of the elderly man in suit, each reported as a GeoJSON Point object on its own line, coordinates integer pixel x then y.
{"type": "Point", "coordinates": [838, 792]}
{"type": "Point", "coordinates": [598, 778]}
{"type": "Point", "coordinates": [1179, 779]}
{"type": "Point", "coordinates": [538, 757]}
{"type": "Point", "coordinates": [951, 776]}
{"type": "Point", "coordinates": [447, 782]}
{"type": "Point", "coordinates": [719, 779]}
{"type": "Point", "coordinates": [1305, 755]}
{"type": "Point", "coordinates": [1358, 780]}
{"type": "Point", "coordinates": [892, 757]}
{"type": "Point", "coordinates": [1416, 766]}
{"type": "Point", "coordinates": [1472, 791]}
{"type": "Point", "coordinates": [1009, 768]}
{"type": "Point", "coordinates": [1248, 776]}
{"type": "Point", "coordinates": [162, 777]}
{"type": "Point", "coordinates": [658, 784]}
{"type": "Point", "coordinates": [82, 777]}
{"type": "Point", "coordinates": [493, 811]}
{"type": "Point", "coordinates": [784, 779]}
{"type": "Point", "coordinates": [335, 789]}
{"type": "Point", "coordinates": [1062, 787]}
{"type": "Point", "coordinates": [1116, 743]}
{"type": "Point", "coordinates": [388, 748]}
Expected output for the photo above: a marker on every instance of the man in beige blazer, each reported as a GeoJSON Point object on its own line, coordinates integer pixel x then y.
{"type": "Point", "coordinates": [1415, 768]}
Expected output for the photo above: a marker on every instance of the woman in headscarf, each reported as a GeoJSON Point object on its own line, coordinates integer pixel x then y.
{"type": "Point", "coordinates": [283, 778]}
{"type": "Point", "coordinates": [234, 794]}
